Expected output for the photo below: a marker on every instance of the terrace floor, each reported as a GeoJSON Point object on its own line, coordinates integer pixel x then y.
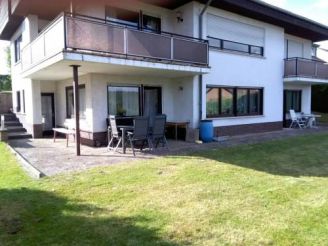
{"type": "Point", "coordinates": [54, 158]}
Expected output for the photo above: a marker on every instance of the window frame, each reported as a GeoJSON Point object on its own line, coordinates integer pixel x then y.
{"type": "Point", "coordinates": [18, 102]}
{"type": "Point", "coordinates": [140, 99]}
{"type": "Point", "coordinates": [67, 89]}
{"type": "Point", "coordinates": [299, 100]}
{"type": "Point", "coordinates": [223, 43]}
{"type": "Point", "coordinates": [235, 94]}
{"type": "Point", "coordinates": [140, 22]}
{"type": "Point", "coordinates": [17, 48]}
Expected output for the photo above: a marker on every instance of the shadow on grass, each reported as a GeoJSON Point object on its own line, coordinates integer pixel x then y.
{"type": "Point", "coordinates": [34, 217]}
{"type": "Point", "coordinates": [296, 156]}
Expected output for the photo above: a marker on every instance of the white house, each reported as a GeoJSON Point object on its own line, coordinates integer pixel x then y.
{"type": "Point", "coordinates": [243, 64]}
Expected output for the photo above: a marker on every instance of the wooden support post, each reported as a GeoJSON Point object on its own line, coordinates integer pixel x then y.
{"type": "Point", "coordinates": [76, 108]}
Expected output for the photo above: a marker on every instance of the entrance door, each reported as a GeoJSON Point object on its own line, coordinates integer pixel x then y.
{"type": "Point", "coordinates": [152, 102]}
{"type": "Point", "coordinates": [48, 112]}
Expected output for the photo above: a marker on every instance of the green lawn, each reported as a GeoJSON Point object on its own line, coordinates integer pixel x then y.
{"type": "Point", "coordinates": [265, 194]}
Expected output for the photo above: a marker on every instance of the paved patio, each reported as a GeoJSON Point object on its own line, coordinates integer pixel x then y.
{"type": "Point", "coordinates": [55, 158]}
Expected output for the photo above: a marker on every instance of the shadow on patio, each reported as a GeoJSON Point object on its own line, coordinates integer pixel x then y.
{"type": "Point", "coordinates": [34, 216]}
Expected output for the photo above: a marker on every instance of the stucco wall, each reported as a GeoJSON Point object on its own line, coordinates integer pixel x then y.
{"type": "Point", "coordinates": [177, 96]}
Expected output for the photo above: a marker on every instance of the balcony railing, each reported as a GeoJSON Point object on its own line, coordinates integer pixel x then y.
{"type": "Point", "coordinates": [96, 36]}
{"type": "Point", "coordinates": [301, 67]}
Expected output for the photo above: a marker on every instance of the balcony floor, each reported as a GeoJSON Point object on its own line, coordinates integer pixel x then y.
{"type": "Point", "coordinates": [305, 80]}
{"type": "Point", "coordinates": [58, 67]}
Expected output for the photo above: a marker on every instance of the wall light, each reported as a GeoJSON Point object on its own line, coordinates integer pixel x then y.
{"type": "Point", "coordinates": [179, 16]}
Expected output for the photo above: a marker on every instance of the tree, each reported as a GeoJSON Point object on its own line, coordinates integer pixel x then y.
{"type": "Point", "coordinates": [5, 80]}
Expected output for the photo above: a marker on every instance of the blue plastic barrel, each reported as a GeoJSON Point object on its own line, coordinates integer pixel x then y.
{"type": "Point", "coordinates": [206, 131]}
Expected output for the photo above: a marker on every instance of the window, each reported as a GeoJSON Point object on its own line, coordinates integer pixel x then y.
{"type": "Point", "coordinates": [17, 44]}
{"type": "Point", "coordinates": [134, 19]}
{"type": "Point", "coordinates": [70, 101]}
{"type": "Point", "coordinates": [212, 99]}
{"type": "Point", "coordinates": [123, 100]}
{"type": "Point", "coordinates": [221, 44]}
{"type": "Point", "coordinates": [18, 101]}
{"type": "Point", "coordinates": [242, 101]}
{"type": "Point", "coordinates": [255, 101]}
{"type": "Point", "coordinates": [293, 100]}
{"type": "Point", "coordinates": [223, 101]}
{"type": "Point", "coordinates": [123, 17]}
{"type": "Point", "coordinates": [228, 34]}
{"type": "Point", "coordinates": [226, 101]}
{"type": "Point", "coordinates": [151, 23]}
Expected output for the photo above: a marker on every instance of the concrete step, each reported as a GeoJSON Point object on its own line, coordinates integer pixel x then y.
{"type": "Point", "coordinates": [18, 135]}
{"type": "Point", "coordinates": [12, 123]}
{"type": "Point", "coordinates": [10, 117]}
{"type": "Point", "coordinates": [15, 129]}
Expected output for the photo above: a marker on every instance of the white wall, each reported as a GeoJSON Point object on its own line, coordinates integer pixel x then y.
{"type": "Point", "coordinates": [231, 69]}
{"type": "Point", "coordinates": [86, 123]}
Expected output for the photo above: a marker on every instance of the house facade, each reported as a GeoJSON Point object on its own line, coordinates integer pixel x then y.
{"type": "Point", "coordinates": [242, 64]}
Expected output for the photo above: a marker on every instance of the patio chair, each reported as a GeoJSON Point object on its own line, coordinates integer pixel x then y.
{"type": "Point", "coordinates": [158, 131]}
{"type": "Point", "coordinates": [140, 133]}
{"type": "Point", "coordinates": [114, 134]}
{"type": "Point", "coordinates": [296, 120]}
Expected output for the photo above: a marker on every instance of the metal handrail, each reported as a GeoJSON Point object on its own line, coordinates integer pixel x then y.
{"type": "Point", "coordinates": [296, 69]}
{"type": "Point", "coordinates": [117, 24]}
{"type": "Point", "coordinates": [305, 59]}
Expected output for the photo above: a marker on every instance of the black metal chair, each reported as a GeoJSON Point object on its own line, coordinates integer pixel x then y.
{"type": "Point", "coordinates": [158, 131]}
{"type": "Point", "coordinates": [140, 133]}
{"type": "Point", "coordinates": [114, 134]}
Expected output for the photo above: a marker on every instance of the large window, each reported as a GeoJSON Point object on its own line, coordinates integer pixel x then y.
{"type": "Point", "coordinates": [133, 19]}
{"type": "Point", "coordinates": [232, 35]}
{"type": "Point", "coordinates": [150, 23]}
{"type": "Point", "coordinates": [18, 101]}
{"type": "Point", "coordinates": [17, 44]}
{"type": "Point", "coordinates": [70, 101]}
{"type": "Point", "coordinates": [233, 101]}
{"type": "Point", "coordinates": [123, 100]}
{"type": "Point", "coordinates": [293, 100]}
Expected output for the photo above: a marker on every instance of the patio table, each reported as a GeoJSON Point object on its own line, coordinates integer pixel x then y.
{"type": "Point", "coordinates": [310, 118]}
{"type": "Point", "coordinates": [176, 125]}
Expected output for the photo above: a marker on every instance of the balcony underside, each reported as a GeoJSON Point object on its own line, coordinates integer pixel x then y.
{"type": "Point", "coordinates": [58, 67]}
{"type": "Point", "coordinates": [305, 80]}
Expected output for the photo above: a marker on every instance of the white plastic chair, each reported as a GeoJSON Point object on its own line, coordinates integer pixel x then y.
{"type": "Point", "coordinates": [296, 120]}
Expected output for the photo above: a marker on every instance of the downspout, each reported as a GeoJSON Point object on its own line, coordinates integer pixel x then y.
{"type": "Point", "coordinates": [200, 77]}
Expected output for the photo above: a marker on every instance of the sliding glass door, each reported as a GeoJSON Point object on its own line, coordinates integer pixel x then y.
{"type": "Point", "coordinates": [152, 102]}
{"type": "Point", "coordinates": [134, 100]}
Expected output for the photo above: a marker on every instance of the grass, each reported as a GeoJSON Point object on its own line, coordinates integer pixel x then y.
{"type": "Point", "coordinates": [265, 194]}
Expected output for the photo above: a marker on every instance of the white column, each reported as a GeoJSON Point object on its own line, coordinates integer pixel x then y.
{"type": "Point", "coordinates": [33, 107]}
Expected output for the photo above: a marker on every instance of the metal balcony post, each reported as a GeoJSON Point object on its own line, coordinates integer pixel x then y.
{"type": "Point", "coordinates": [76, 108]}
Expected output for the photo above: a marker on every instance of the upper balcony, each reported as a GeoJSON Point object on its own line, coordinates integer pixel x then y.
{"type": "Point", "coordinates": [83, 38]}
{"type": "Point", "coordinates": [305, 71]}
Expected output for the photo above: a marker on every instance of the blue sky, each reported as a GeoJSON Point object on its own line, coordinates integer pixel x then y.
{"type": "Point", "coordinates": [316, 10]}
